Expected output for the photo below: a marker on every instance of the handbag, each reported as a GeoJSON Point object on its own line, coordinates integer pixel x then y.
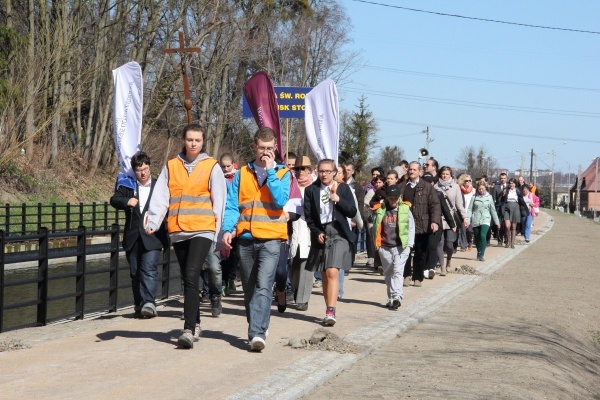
{"type": "Point", "coordinates": [452, 210]}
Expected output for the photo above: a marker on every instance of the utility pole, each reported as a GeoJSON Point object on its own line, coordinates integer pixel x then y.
{"type": "Point", "coordinates": [595, 190]}
{"type": "Point", "coordinates": [427, 139]}
{"type": "Point", "coordinates": [578, 204]}
{"type": "Point", "coordinates": [552, 183]}
{"type": "Point", "coordinates": [531, 168]}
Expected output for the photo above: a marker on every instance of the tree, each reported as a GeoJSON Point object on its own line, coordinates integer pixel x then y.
{"type": "Point", "coordinates": [544, 194]}
{"type": "Point", "coordinates": [357, 136]}
{"type": "Point", "coordinates": [477, 162]}
{"type": "Point", "coordinates": [390, 157]}
{"type": "Point", "coordinates": [56, 57]}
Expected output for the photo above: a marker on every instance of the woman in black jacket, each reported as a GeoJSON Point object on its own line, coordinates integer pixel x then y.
{"type": "Point", "coordinates": [512, 207]}
{"type": "Point", "coordinates": [434, 239]}
{"type": "Point", "coordinates": [327, 209]}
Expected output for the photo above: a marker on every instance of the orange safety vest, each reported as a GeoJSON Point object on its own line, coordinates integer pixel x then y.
{"type": "Point", "coordinates": [190, 205]}
{"type": "Point", "coordinates": [259, 215]}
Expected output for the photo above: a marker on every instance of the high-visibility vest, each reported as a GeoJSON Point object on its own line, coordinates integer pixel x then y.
{"type": "Point", "coordinates": [259, 215]}
{"type": "Point", "coordinates": [190, 205]}
{"type": "Point", "coordinates": [403, 210]}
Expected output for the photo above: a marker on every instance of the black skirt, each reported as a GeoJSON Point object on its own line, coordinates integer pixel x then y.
{"type": "Point", "coordinates": [334, 254]}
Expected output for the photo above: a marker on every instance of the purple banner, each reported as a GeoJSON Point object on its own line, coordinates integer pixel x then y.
{"type": "Point", "coordinates": [261, 98]}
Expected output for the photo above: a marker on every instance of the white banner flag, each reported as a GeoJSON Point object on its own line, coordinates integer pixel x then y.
{"type": "Point", "coordinates": [322, 120]}
{"type": "Point", "coordinates": [127, 117]}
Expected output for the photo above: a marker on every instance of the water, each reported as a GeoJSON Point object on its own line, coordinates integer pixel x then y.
{"type": "Point", "coordinates": [58, 309]}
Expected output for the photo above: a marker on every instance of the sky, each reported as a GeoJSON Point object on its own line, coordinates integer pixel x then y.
{"type": "Point", "coordinates": [508, 87]}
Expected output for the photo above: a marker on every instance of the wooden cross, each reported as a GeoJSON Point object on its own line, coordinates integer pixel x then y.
{"type": "Point", "coordinates": [186, 86]}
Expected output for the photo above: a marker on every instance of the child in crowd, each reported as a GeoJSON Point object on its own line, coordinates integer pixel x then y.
{"type": "Point", "coordinates": [394, 229]}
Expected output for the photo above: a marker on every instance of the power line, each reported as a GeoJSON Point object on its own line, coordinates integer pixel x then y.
{"type": "Point", "coordinates": [473, 103]}
{"type": "Point", "coordinates": [478, 19]}
{"type": "Point", "coordinates": [454, 128]}
{"type": "Point", "coordinates": [466, 78]}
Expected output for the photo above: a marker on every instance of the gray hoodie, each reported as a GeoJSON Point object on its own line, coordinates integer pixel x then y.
{"type": "Point", "coordinates": [159, 203]}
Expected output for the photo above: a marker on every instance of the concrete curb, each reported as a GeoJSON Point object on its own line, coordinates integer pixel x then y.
{"type": "Point", "coordinates": [298, 379]}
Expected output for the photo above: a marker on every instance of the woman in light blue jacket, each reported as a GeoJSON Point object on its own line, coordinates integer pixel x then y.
{"type": "Point", "coordinates": [481, 212]}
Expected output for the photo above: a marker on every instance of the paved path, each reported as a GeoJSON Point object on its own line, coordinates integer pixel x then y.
{"type": "Point", "coordinates": [120, 357]}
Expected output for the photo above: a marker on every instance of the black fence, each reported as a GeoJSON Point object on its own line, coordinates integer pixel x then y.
{"type": "Point", "coordinates": [75, 290]}
{"type": "Point", "coordinates": [20, 220]}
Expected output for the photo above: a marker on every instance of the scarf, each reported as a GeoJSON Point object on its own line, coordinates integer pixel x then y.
{"type": "Point", "coordinates": [445, 184]}
{"type": "Point", "coordinates": [229, 176]}
{"type": "Point", "coordinates": [466, 191]}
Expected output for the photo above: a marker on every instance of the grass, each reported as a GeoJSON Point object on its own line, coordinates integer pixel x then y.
{"type": "Point", "coordinates": [596, 336]}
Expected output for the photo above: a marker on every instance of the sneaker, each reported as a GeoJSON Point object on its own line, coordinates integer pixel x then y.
{"type": "Point", "coordinates": [301, 306]}
{"type": "Point", "coordinates": [417, 284]}
{"type": "Point", "coordinates": [257, 344]}
{"type": "Point", "coordinates": [389, 304]}
{"type": "Point", "coordinates": [431, 274]}
{"type": "Point", "coordinates": [380, 270]}
{"type": "Point", "coordinates": [289, 296]}
{"type": "Point", "coordinates": [224, 291]}
{"type": "Point", "coordinates": [406, 281]}
{"type": "Point", "coordinates": [215, 306]}
{"type": "Point", "coordinates": [329, 318]}
{"type": "Point", "coordinates": [231, 288]}
{"type": "Point", "coordinates": [317, 284]}
{"type": "Point", "coordinates": [149, 310]}
{"type": "Point", "coordinates": [396, 303]}
{"type": "Point", "coordinates": [186, 340]}
{"type": "Point", "coordinates": [443, 271]}
{"type": "Point", "coordinates": [204, 297]}
{"type": "Point", "coordinates": [197, 332]}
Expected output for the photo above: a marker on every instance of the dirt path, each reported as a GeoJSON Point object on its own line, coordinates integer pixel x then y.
{"type": "Point", "coordinates": [531, 330]}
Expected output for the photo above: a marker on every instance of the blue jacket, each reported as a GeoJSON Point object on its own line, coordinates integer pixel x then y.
{"type": "Point", "coordinates": [280, 191]}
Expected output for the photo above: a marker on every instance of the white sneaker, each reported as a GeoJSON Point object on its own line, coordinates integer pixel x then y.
{"type": "Point", "coordinates": [257, 344]}
{"type": "Point", "coordinates": [186, 340]}
{"type": "Point", "coordinates": [197, 333]}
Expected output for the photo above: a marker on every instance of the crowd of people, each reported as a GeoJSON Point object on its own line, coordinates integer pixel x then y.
{"type": "Point", "coordinates": [285, 225]}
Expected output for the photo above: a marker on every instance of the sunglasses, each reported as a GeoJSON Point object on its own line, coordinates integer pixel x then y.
{"type": "Point", "coordinates": [298, 169]}
{"type": "Point", "coordinates": [468, 180]}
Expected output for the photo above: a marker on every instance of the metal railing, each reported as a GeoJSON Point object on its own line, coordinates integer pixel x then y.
{"type": "Point", "coordinates": [77, 279]}
{"type": "Point", "coordinates": [20, 220]}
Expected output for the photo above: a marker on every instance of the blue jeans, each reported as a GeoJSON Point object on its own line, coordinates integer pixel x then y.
{"type": "Point", "coordinates": [142, 269]}
{"type": "Point", "coordinates": [211, 275]}
{"type": "Point", "coordinates": [526, 223]}
{"type": "Point", "coordinates": [258, 263]}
